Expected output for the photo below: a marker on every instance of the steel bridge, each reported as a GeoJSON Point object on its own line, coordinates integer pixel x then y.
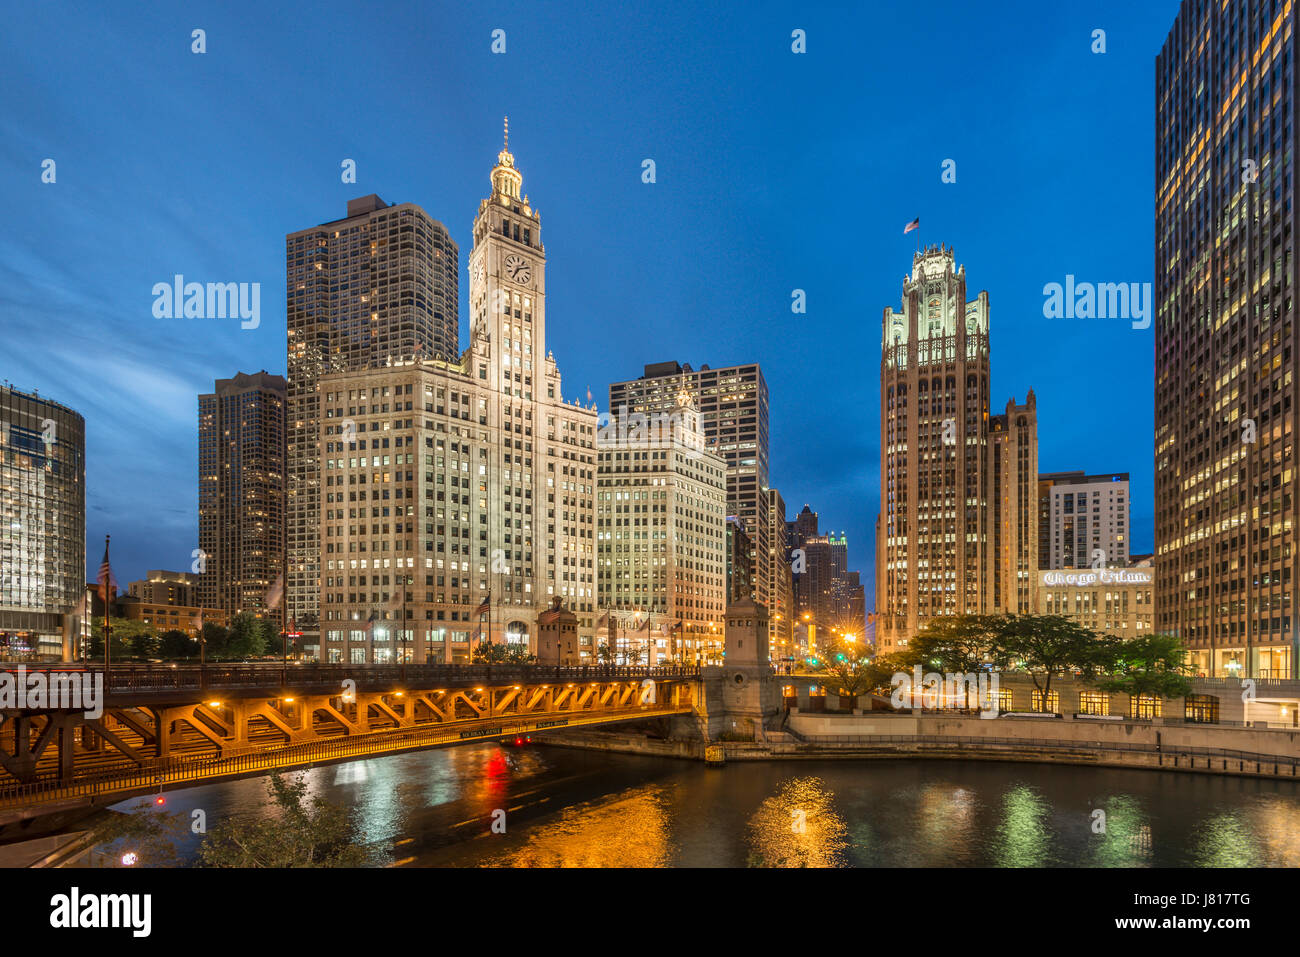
{"type": "Point", "coordinates": [174, 725]}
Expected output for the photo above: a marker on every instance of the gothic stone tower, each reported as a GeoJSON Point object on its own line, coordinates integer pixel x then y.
{"type": "Point", "coordinates": [931, 557]}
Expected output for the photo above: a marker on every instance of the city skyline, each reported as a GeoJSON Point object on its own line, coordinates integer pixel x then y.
{"type": "Point", "coordinates": [588, 436]}
{"type": "Point", "coordinates": [738, 264]}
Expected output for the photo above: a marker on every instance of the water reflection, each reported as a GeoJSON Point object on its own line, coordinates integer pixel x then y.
{"type": "Point", "coordinates": [1022, 835]}
{"type": "Point", "coordinates": [631, 830]}
{"type": "Point", "coordinates": [798, 827]}
{"type": "Point", "coordinates": [570, 808]}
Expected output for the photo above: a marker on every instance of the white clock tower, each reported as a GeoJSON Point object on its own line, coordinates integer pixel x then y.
{"type": "Point", "coordinates": [507, 291]}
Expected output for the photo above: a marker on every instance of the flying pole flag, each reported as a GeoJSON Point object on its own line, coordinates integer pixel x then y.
{"type": "Point", "coordinates": [485, 606]}
{"type": "Point", "coordinates": [914, 224]}
{"type": "Point", "coordinates": [107, 583]}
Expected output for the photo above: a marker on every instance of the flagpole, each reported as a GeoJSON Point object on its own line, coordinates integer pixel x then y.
{"type": "Point", "coordinates": [108, 577]}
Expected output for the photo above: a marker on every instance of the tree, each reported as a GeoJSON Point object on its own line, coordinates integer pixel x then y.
{"type": "Point", "coordinates": [245, 638]}
{"type": "Point", "coordinates": [961, 644]}
{"type": "Point", "coordinates": [502, 653]}
{"type": "Point", "coordinates": [266, 637]}
{"type": "Point", "coordinates": [175, 644]}
{"type": "Point", "coordinates": [127, 633]}
{"type": "Point", "coordinates": [1047, 646]}
{"type": "Point", "coordinates": [214, 640]}
{"type": "Point", "coordinates": [845, 667]}
{"type": "Point", "coordinates": [1151, 665]}
{"type": "Point", "coordinates": [143, 831]}
{"type": "Point", "coordinates": [603, 654]}
{"type": "Point", "coordinates": [882, 668]}
{"type": "Point", "coordinates": [296, 833]}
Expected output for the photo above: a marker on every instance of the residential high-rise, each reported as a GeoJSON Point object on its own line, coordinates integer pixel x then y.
{"type": "Point", "coordinates": [42, 525]}
{"type": "Point", "coordinates": [242, 495]}
{"type": "Point", "coordinates": [740, 561]}
{"type": "Point", "coordinates": [453, 486]}
{"type": "Point", "coordinates": [1226, 488]}
{"type": "Point", "coordinates": [1083, 520]}
{"type": "Point", "coordinates": [380, 284]}
{"type": "Point", "coordinates": [957, 486]}
{"type": "Point", "coordinates": [780, 580]}
{"type": "Point", "coordinates": [661, 533]}
{"type": "Point", "coordinates": [733, 406]}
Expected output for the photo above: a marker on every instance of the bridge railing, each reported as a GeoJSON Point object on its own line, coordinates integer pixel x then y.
{"type": "Point", "coordinates": [187, 677]}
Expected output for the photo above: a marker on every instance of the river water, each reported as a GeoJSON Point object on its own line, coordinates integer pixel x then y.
{"type": "Point", "coordinates": [576, 808]}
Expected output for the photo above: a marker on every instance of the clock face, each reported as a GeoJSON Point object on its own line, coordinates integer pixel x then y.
{"type": "Point", "coordinates": [479, 271]}
{"type": "Point", "coordinates": [518, 269]}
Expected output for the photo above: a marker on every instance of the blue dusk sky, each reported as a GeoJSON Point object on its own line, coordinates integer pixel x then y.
{"type": "Point", "coordinates": [775, 171]}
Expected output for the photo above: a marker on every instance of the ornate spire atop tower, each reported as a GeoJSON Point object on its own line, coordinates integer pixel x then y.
{"type": "Point", "coordinates": [505, 178]}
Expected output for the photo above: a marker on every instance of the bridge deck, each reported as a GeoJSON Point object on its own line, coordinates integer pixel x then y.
{"type": "Point", "coordinates": [106, 786]}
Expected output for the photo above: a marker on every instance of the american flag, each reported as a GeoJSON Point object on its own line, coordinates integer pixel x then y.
{"type": "Point", "coordinates": [107, 583]}
{"type": "Point", "coordinates": [914, 224]}
{"type": "Point", "coordinates": [486, 606]}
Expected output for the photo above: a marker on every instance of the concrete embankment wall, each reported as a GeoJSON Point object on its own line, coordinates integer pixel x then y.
{"type": "Point", "coordinates": [1064, 731]}
{"type": "Point", "coordinates": [621, 743]}
{"type": "Point", "coordinates": [1121, 744]}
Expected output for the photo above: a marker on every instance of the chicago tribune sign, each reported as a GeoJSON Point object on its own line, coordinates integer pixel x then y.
{"type": "Point", "coordinates": [1100, 576]}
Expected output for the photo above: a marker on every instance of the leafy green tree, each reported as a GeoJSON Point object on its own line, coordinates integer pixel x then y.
{"type": "Point", "coordinates": [275, 639]}
{"type": "Point", "coordinates": [845, 667]}
{"type": "Point", "coordinates": [297, 833]}
{"type": "Point", "coordinates": [882, 668]}
{"type": "Point", "coordinates": [268, 637]}
{"type": "Point", "coordinates": [502, 653]}
{"type": "Point", "coordinates": [1150, 665]}
{"type": "Point", "coordinates": [143, 831]}
{"type": "Point", "coordinates": [144, 646]}
{"type": "Point", "coordinates": [245, 639]}
{"type": "Point", "coordinates": [126, 632]}
{"type": "Point", "coordinates": [174, 645]}
{"type": "Point", "coordinates": [215, 640]}
{"type": "Point", "coordinates": [1047, 647]}
{"type": "Point", "coordinates": [961, 644]}
{"type": "Point", "coordinates": [603, 654]}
